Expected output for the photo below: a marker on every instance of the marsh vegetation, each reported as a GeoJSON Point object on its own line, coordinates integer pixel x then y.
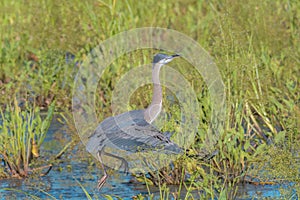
{"type": "Point", "coordinates": [254, 44]}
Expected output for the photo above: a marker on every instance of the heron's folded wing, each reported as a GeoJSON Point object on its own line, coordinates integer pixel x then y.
{"type": "Point", "coordinates": [140, 138]}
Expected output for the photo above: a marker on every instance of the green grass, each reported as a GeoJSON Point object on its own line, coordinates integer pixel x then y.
{"type": "Point", "coordinates": [21, 135]}
{"type": "Point", "coordinates": [254, 44]}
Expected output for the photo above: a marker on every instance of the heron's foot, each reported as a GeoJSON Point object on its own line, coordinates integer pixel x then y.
{"type": "Point", "coordinates": [102, 181]}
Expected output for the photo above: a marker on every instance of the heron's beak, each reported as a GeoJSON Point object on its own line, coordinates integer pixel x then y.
{"type": "Point", "coordinates": [170, 58]}
{"type": "Point", "coordinates": [175, 55]}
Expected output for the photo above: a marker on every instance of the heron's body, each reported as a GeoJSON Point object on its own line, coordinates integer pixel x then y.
{"type": "Point", "coordinates": [132, 131]}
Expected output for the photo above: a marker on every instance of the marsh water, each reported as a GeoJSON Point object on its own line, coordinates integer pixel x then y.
{"type": "Point", "coordinates": [76, 171]}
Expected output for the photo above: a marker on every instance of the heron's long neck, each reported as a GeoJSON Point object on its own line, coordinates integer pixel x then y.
{"type": "Point", "coordinates": [153, 110]}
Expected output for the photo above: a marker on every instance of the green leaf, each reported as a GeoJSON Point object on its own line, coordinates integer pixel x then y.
{"type": "Point", "coordinates": [108, 197]}
{"type": "Point", "coordinates": [247, 145]}
{"type": "Point", "coordinates": [279, 137]}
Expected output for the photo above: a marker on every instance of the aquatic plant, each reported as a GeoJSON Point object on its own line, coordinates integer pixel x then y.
{"type": "Point", "coordinates": [255, 45]}
{"type": "Point", "coordinates": [22, 132]}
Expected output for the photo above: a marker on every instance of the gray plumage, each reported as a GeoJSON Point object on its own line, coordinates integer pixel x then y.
{"type": "Point", "coordinates": [132, 131]}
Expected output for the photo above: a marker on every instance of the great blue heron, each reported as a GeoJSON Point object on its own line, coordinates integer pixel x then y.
{"type": "Point", "coordinates": [132, 131]}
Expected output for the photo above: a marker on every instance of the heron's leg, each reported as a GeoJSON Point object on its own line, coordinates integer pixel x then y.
{"type": "Point", "coordinates": [124, 162]}
{"type": "Point", "coordinates": [102, 181]}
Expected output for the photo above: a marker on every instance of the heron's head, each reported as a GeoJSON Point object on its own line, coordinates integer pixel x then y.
{"type": "Point", "coordinates": [163, 58]}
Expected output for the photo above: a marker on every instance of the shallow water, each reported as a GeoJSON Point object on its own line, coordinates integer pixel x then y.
{"type": "Point", "coordinates": [250, 191]}
{"type": "Point", "coordinates": [61, 182]}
